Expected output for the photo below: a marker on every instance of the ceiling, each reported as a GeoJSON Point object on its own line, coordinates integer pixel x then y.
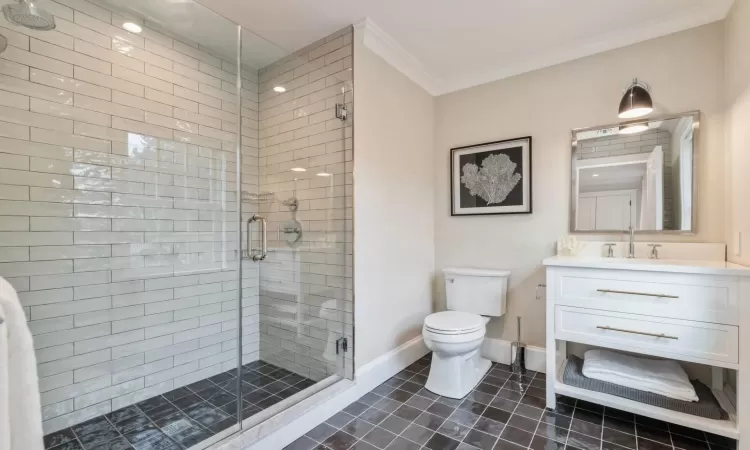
{"type": "Point", "coordinates": [625, 176]}
{"type": "Point", "coordinates": [192, 22]}
{"type": "Point", "coordinates": [450, 45]}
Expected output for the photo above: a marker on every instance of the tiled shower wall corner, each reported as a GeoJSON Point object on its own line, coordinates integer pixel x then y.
{"type": "Point", "coordinates": [306, 287]}
{"type": "Point", "coordinates": [117, 200]}
{"type": "Point", "coordinates": [625, 145]}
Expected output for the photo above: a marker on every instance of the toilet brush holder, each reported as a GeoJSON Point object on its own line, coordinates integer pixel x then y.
{"type": "Point", "coordinates": [518, 354]}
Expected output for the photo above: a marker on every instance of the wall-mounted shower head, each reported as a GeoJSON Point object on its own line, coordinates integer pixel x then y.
{"type": "Point", "coordinates": [27, 14]}
{"type": "Point", "coordinates": [3, 43]}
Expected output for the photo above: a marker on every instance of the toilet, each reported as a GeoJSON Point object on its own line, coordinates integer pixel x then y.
{"type": "Point", "coordinates": [455, 336]}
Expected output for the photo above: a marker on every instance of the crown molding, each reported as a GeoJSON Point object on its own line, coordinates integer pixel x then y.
{"type": "Point", "coordinates": [383, 45]}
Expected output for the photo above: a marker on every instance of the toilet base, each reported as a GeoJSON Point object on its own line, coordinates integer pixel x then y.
{"type": "Point", "coordinates": [454, 376]}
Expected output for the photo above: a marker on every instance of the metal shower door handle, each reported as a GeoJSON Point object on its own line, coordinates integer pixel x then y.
{"type": "Point", "coordinates": [250, 252]}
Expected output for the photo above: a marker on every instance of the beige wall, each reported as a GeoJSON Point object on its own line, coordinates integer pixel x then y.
{"type": "Point", "coordinates": [737, 91]}
{"type": "Point", "coordinates": [685, 71]}
{"type": "Point", "coordinates": [393, 215]}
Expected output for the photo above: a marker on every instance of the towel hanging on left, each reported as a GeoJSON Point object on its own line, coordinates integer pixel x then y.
{"type": "Point", "coordinates": [20, 410]}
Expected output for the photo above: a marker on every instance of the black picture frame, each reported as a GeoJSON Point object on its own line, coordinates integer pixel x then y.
{"type": "Point", "coordinates": [519, 152]}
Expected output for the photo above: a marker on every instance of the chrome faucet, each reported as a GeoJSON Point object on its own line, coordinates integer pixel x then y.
{"type": "Point", "coordinates": [654, 252]}
{"type": "Point", "coordinates": [631, 243]}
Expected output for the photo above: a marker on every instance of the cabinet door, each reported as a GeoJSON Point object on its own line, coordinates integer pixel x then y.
{"type": "Point", "coordinates": [613, 212]}
{"type": "Point", "coordinates": [586, 214]}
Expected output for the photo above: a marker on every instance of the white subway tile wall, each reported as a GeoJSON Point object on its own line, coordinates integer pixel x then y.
{"type": "Point", "coordinates": [117, 208]}
{"type": "Point", "coordinates": [306, 287]}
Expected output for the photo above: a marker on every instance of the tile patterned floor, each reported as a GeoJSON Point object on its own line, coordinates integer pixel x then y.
{"type": "Point", "coordinates": [185, 416]}
{"type": "Point", "coordinates": [501, 413]}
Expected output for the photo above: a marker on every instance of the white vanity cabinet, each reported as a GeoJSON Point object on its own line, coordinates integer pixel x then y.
{"type": "Point", "coordinates": [692, 311]}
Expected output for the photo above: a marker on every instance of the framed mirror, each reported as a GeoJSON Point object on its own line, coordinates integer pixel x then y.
{"type": "Point", "coordinates": [639, 174]}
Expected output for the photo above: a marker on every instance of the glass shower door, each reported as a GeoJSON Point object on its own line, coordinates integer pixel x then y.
{"type": "Point", "coordinates": [305, 303]}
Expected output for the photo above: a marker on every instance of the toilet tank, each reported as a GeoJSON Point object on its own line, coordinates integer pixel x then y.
{"type": "Point", "coordinates": [478, 291]}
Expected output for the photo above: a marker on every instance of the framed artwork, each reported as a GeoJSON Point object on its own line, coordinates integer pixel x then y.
{"type": "Point", "coordinates": [491, 178]}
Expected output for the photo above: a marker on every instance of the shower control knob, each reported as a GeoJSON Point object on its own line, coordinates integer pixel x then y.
{"type": "Point", "coordinates": [451, 280]}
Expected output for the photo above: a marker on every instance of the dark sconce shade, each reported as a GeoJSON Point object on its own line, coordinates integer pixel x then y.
{"type": "Point", "coordinates": [636, 101]}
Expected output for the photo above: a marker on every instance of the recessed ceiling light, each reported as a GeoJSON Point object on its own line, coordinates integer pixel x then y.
{"type": "Point", "coordinates": [595, 175]}
{"type": "Point", "coordinates": [279, 89]}
{"type": "Point", "coordinates": [132, 27]}
{"type": "Point", "coordinates": [298, 169]}
{"type": "Point", "coordinates": [323, 174]}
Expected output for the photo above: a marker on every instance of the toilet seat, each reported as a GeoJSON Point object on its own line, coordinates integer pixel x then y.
{"type": "Point", "coordinates": [454, 323]}
{"type": "Point", "coordinates": [462, 338]}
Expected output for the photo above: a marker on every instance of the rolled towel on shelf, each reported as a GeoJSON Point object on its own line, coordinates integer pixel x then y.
{"type": "Point", "coordinates": [663, 377]}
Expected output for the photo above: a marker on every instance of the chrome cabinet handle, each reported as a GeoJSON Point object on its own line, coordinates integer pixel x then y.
{"type": "Point", "coordinates": [610, 291]}
{"type": "Point", "coordinates": [643, 333]}
{"type": "Point", "coordinates": [250, 252]}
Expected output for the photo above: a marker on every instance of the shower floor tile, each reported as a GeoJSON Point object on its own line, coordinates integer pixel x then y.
{"type": "Point", "coordinates": [501, 413]}
{"type": "Point", "coordinates": [185, 416]}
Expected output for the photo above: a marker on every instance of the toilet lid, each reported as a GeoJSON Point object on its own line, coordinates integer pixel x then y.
{"type": "Point", "coordinates": [453, 322]}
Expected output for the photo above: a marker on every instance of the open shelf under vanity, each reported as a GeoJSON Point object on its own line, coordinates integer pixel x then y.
{"type": "Point", "coordinates": [727, 428]}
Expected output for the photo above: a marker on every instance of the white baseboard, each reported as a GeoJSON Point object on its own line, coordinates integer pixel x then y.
{"type": "Point", "coordinates": [366, 379]}
{"type": "Point", "coordinates": [498, 350]}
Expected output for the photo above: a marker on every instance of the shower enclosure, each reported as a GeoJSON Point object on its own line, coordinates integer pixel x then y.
{"type": "Point", "coordinates": [176, 216]}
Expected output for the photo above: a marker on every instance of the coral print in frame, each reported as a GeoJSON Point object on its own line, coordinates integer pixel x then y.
{"type": "Point", "coordinates": [491, 178]}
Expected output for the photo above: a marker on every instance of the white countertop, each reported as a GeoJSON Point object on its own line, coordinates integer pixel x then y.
{"type": "Point", "coordinates": [652, 265]}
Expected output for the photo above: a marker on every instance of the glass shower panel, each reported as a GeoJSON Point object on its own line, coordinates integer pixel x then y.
{"type": "Point", "coordinates": [118, 211]}
{"type": "Point", "coordinates": [305, 193]}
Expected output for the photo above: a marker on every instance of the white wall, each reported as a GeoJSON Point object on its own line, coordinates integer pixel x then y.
{"type": "Point", "coordinates": [393, 214]}
{"type": "Point", "coordinates": [737, 95]}
{"type": "Point", "coordinates": [546, 104]}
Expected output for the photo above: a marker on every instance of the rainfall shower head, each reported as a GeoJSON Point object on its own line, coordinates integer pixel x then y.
{"type": "Point", "coordinates": [27, 14]}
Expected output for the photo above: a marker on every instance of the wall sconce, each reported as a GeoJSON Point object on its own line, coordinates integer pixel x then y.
{"type": "Point", "coordinates": [636, 101]}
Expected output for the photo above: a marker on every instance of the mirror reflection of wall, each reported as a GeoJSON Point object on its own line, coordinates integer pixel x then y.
{"type": "Point", "coordinates": [643, 179]}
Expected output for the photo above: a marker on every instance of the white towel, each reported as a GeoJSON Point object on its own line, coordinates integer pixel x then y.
{"type": "Point", "coordinates": [663, 377]}
{"type": "Point", "coordinates": [20, 411]}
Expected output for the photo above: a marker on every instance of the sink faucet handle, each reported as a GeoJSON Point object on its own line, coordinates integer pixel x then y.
{"type": "Point", "coordinates": [654, 251]}
{"type": "Point", "coordinates": [610, 253]}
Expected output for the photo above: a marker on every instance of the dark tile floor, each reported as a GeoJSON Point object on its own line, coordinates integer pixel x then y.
{"type": "Point", "coordinates": [185, 416]}
{"type": "Point", "coordinates": [501, 413]}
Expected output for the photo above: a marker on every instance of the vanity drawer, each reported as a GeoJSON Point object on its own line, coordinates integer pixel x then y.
{"type": "Point", "coordinates": [671, 338]}
{"type": "Point", "coordinates": [705, 298]}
